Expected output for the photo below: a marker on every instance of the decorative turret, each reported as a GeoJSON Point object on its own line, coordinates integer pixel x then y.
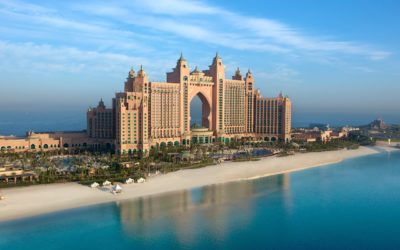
{"type": "Point", "coordinates": [181, 59]}
{"type": "Point", "coordinates": [180, 72]}
{"type": "Point", "coordinates": [196, 70]}
{"type": "Point", "coordinates": [101, 104]}
{"type": "Point", "coordinates": [181, 63]}
{"type": "Point", "coordinates": [217, 69]}
{"type": "Point", "coordinates": [249, 75]}
{"type": "Point", "coordinates": [141, 72]}
{"type": "Point", "coordinates": [280, 96]}
{"type": "Point", "coordinates": [238, 75]}
{"type": "Point", "coordinates": [217, 59]}
{"type": "Point", "coordinates": [131, 73]}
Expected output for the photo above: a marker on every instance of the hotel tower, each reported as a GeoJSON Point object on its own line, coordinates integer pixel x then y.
{"type": "Point", "coordinates": [148, 114]}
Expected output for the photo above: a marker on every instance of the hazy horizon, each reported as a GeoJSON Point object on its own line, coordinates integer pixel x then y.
{"type": "Point", "coordinates": [20, 122]}
{"type": "Point", "coordinates": [337, 61]}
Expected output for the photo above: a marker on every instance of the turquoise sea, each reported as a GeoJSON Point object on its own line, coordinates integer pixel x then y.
{"type": "Point", "coordinates": [354, 204]}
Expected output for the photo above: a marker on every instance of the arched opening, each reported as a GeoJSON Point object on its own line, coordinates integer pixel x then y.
{"type": "Point", "coordinates": [200, 111]}
{"type": "Point", "coordinates": [46, 146]}
{"type": "Point", "coordinates": [66, 145]}
{"type": "Point", "coordinates": [33, 146]}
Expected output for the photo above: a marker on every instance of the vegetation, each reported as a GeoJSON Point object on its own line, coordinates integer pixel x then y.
{"type": "Point", "coordinates": [358, 137]}
{"type": "Point", "coordinates": [87, 167]}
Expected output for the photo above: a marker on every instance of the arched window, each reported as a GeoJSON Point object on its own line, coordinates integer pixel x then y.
{"type": "Point", "coordinates": [33, 146]}
{"type": "Point", "coordinates": [46, 146]}
{"type": "Point", "coordinates": [185, 78]}
{"type": "Point", "coordinates": [66, 145]}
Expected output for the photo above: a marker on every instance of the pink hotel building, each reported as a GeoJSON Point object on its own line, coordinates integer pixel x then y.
{"type": "Point", "coordinates": [149, 114]}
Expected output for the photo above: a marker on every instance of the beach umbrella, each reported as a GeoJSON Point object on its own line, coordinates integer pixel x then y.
{"type": "Point", "coordinates": [106, 183]}
{"type": "Point", "coordinates": [129, 181]}
{"type": "Point", "coordinates": [94, 185]}
{"type": "Point", "coordinates": [117, 189]}
{"type": "Point", "coordinates": [141, 180]}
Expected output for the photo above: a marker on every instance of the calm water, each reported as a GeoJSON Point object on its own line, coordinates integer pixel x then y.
{"type": "Point", "coordinates": [18, 123]}
{"type": "Point", "coordinates": [351, 205]}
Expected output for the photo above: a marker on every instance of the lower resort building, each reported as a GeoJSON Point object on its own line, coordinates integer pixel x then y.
{"type": "Point", "coordinates": [155, 114]}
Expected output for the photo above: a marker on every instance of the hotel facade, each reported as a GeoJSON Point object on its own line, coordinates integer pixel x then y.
{"type": "Point", "coordinates": [155, 114]}
{"type": "Point", "coordinates": [150, 113]}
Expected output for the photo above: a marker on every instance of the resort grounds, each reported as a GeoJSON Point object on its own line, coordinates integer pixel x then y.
{"type": "Point", "coordinates": [34, 200]}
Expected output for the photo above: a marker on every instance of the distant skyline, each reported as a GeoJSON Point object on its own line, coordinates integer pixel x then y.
{"type": "Point", "coordinates": [335, 57]}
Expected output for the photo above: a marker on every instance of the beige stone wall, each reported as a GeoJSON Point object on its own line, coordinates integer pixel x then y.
{"type": "Point", "coordinates": [35, 142]}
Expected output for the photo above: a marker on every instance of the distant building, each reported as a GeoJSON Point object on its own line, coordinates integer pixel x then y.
{"type": "Point", "coordinates": [49, 141]}
{"type": "Point", "coordinates": [311, 135]}
{"type": "Point", "coordinates": [378, 124]}
{"type": "Point", "coordinates": [13, 174]}
{"type": "Point", "coordinates": [319, 126]}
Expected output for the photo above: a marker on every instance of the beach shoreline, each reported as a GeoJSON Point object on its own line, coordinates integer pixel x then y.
{"type": "Point", "coordinates": [22, 202]}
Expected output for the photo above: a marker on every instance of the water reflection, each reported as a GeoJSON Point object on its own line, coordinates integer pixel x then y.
{"type": "Point", "coordinates": [179, 211]}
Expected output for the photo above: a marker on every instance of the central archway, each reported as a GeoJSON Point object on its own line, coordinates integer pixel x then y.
{"type": "Point", "coordinates": [200, 111]}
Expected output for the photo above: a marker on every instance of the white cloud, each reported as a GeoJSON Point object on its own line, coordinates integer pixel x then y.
{"type": "Point", "coordinates": [279, 74]}
{"type": "Point", "coordinates": [35, 21]}
{"type": "Point", "coordinates": [30, 56]}
{"type": "Point", "coordinates": [237, 31]}
{"type": "Point", "coordinates": [103, 31]}
{"type": "Point", "coordinates": [178, 7]}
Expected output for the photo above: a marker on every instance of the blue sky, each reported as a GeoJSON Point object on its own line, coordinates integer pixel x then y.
{"type": "Point", "coordinates": [335, 57]}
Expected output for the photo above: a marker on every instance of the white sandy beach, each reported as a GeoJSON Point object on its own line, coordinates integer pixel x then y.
{"type": "Point", "coordinates": [34, 200]}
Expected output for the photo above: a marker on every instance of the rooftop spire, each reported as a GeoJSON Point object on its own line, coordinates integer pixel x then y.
{"type": "Point", "coordinates": [196, 70]}
{"type": "Point", "coordinates": [181, 58]}
{"type": "Point", "coordinates": [238, 71]}
{"type": "Point", "coordinates": [238, 75]}
{"type": "Point", "coordinates": [101, 103]}
{"type": "Point", "coordinates": [132, 73]}
{"type": "Point", "coordinates": [141, 71]}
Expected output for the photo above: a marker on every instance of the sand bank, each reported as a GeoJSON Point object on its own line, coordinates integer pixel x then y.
{"type": "Point", "coordinates": [35, 200]}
